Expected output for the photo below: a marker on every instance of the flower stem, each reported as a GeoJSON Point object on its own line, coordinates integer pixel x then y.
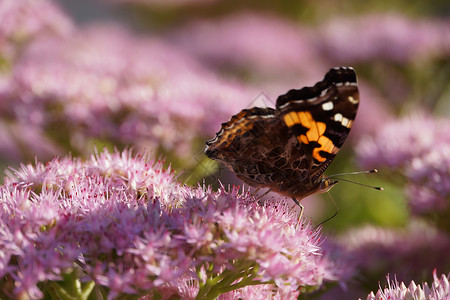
{"type": "Point", "coordinates": [70, 288]}
{"type": "Point", "coordinates": [223, 282]}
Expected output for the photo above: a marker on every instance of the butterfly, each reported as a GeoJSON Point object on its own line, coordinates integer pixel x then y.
{"type": "Point", "coordinates": [287, 149]}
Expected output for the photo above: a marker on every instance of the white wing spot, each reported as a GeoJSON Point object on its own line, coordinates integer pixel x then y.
{"type": "Point", "coordinates": [284, 105]}
{"type": "Point", "coordinates": [328, 105]}
{"type": "Point", "coordinates": [345, 122]}
{"type": "Point", "coordinates": [353, 100]}
{"type": "Point", "coordinates": [338, 117]}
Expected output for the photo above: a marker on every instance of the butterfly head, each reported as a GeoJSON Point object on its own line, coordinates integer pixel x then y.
{"type": "Point", "coordinates": [326, 184]}
{"type": "Point", "coordinates": [319, 185]}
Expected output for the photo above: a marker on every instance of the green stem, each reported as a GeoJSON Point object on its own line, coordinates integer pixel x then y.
{"type": "Point", "coordinates": [247, 279]}
{"type": "Point", "coordinates": [221, 283]}
{"type": "Point", "coordinates": [70, 288]}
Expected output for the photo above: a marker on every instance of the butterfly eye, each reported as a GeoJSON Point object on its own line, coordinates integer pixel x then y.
{"type": "Point", "coordinates": [324, 185]}
{"type": "Point", "coordinates": [327, 184]}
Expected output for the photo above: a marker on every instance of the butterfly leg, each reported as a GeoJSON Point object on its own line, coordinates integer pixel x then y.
{"type": "Point", "coordinates": [300, 214]}
{"type": "Point", "coordinates": [296, 202]}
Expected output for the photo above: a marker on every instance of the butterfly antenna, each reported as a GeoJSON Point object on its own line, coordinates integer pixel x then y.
{"type": "Point", "coordinates": [378, 188]}
{"type": "Point", "coordinates": [355, 173]}
{"type": "Point", "coordinates": [336, 210]}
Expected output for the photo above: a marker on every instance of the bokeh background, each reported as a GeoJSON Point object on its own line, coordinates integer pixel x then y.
{"type": "Point", "coordinates": [162, 75]}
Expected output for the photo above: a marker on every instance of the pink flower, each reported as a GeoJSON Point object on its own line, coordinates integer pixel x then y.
{"type": "Point", "coordinates": [20, 141]}
{"type": "Point", "coordinates": [418, 149]}
{"type": "Point", "coordinates": [23, 20]}
{"type": "Point", "coordinates": [263, 44]}
{"type": "Point", "coordinates": [409, 252]}
{"type": "Point", "coordinates": [104, 83]}
{"type": "Point", "coordinates": [124, 223]}
{"type": "Point", "coordinates": [429, 174]}
{"type": "Point", "coordinates": [440, 289]}
{"type": "Point", "coordinates": [391, 37]}
{"type": "Point", "coordinates": [399, 142]}
{"type": "Point", "coordinates": [261, 292]}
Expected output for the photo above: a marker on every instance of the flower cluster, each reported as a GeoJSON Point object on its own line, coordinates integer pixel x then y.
{"type": "Point", "coordinates": [26, 19]}
{"type": "Point", "coordinates": [419, 150]}
{"type": "Point", "coordinates": [86, 84]}
{"type": "Point", "coordinates": [409, 252]}
{"type": "Point", "coordinates": [263, 44]}
{"type": "Point", "coordinates": [390, 37]}
{"type": "Point", "coordinates": [430, 175]}
{"type": "Point", "coordinates": [102, 83]}
{"type": "Point", "coordinates": [440, 289]}
{"type": "Point", "coordinates": [267, 44]}
{"type": "Point", "coordinates": [118, 225]}
{"type": "Point", "coordinates": [123, 225]}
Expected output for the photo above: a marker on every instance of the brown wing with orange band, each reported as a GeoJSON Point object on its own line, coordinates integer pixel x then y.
{"type": "Point", "coordinates": [321, 116]}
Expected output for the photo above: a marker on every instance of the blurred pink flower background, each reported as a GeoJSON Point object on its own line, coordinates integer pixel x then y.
{"type": "Point", "coordinates": [160, 77]}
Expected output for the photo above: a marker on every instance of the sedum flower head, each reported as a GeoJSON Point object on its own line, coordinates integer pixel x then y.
{"type": "Point", "coordinates": [416, 149]}
{"type": "Point", "coordinates": [23, 20]}
{"type": "Point", "coordinates": [104, 83]}
{"type": "Point", "coordinates": [389, 37]}
{"type": "Point", "coordinates": [429, 175]}
{"type": "Point", "coordinates": [122, 225]}
{"type": "Point", "coordinates": [440, 289]}
{"type": "Point", "coordinates": [399, 142]}
{"type": "Point", "coordinates": [254, 42]}
{"type": "Point", "coordinates": [409, 252]}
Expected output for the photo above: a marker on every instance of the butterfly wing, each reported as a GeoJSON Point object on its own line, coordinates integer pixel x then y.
{"type": "Point", "coordinates": [289, 148]}
{"type": "Point", "coordinates": [321, 116]}
{"type": "Point", "coordinates": [259, 148]}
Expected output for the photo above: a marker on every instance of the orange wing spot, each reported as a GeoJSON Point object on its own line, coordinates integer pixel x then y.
{"type": "Point", "coordinates": [316, 131]}
{"type": "Point", "coordinates": [321, 127]}
{"type": "Point", "coordinates": [326, 145]}
{"type": "Point", "coordinates": [306, 118]}
{"type": "Point", "coordinates": [312, 134]}
{"type": "Point", "coordinates": [291, 119]}
{"type": "Point", "coordinates": [303, 139]}
{"type": "Point", "coordinates": [317, 156]}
